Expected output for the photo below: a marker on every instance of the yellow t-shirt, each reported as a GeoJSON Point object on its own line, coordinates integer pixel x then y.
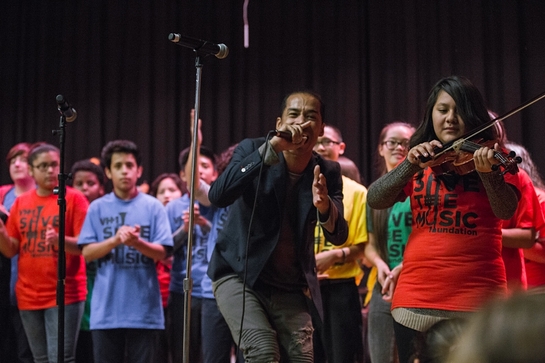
{"type": "Point", "coordinates": [354, 201]}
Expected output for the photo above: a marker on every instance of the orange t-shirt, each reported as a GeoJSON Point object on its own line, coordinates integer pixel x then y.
{"type": "Point", "coordinates": [36, 286]}
{"type": "Point", "coordinates": [453, 256]}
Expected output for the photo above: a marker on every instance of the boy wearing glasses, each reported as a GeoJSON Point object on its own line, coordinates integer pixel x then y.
{"type": "Point", "coordinates": [32, 232]}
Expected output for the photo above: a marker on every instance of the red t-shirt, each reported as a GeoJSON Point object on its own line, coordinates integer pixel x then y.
{"type": "Point", "coordinates": [528, 215]}
{"type": "Point", "coordinates": [453, 256]}
{"type": "Point", "coordinates": [163, 275]}
{"type": "Point", "coordinates": [36, 285]}
{"type": "Point", "coordinates": [535, 271]}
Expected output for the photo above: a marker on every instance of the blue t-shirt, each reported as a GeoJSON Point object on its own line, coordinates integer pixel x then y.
{"type": "Point", "coordinates": [199, 265]}
{"type": "Point", "coordinates": [9, 199]}
{"type": "Point", "coordinates": [126, 291]}
{"type": "Point", "coordinates": [217, 225]}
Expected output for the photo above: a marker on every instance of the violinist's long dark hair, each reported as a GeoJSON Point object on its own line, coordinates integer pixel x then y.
{"type": "Point", "coordinates": [469, 106]}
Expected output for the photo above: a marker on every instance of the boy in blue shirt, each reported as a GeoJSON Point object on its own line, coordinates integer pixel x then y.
{"type": "Point", "coordinates": [178, 215]}
{"type": "Point", "coordinates": [125, 231]}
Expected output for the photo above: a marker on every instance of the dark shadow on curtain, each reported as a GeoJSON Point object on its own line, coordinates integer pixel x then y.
{"type": "Point", "coordinates": [372, 61]}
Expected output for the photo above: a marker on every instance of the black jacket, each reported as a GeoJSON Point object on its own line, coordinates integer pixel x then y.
{"type": "Point", "coordinates": [237, 186]}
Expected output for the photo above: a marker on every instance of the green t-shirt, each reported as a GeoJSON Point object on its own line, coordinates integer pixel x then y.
{"type": "Point", "coordinates": [399, 228]}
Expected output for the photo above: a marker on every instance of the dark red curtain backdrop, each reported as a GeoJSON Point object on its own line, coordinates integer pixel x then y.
{"type": "Point", "coordinates": [372, 61]}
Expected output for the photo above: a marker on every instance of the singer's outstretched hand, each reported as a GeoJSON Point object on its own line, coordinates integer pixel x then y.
{"type": "Point", "coordinates": [319, 192]}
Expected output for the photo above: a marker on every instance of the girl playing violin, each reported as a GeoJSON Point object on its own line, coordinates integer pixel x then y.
{"type": "Point", "coordinates": [452, 262]}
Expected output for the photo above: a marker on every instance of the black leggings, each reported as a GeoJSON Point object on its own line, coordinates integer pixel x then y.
{"type": "Point", "coordinates": [405, 342]}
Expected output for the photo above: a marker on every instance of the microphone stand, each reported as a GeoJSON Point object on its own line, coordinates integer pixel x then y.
{"type": "Point", "coordinates": [61, 201]}
{"type": "Point", "coordinates": [188, 282]}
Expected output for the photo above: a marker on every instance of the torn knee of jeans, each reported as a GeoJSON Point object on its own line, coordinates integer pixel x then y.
{"type": "Point", "coordinates": [302, 339]}
{"type": "Point", "coordinates": [260, 345]}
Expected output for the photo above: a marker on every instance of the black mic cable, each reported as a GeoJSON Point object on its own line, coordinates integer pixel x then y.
{"type": "Point", "coordinates": [270, 134]}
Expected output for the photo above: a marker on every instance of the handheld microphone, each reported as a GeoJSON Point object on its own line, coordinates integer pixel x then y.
{"type": "Point", "coordinates": [286, 135]}
{"type": "Point", "coordinates": [220, 51]}
{"type": "Point", "coordinates": [65, 109]}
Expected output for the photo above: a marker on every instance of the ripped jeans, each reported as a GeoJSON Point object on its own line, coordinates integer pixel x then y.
{"type": "Point", "coordinates": [277, 324]}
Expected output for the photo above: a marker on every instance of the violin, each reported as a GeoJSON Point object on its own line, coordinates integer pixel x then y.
{"type": "Point", "coordinates": [459, 159]}
{"type": "Point", "coordinates": [457, 156]}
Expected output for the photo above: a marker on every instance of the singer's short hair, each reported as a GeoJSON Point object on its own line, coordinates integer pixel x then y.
{"type": "Point", "coordinates": [40, 148]}
{"type": "Point", "coordinates": [306, 92]}
{"type": "Point", "coordinates": [204, 151]}
{"type": "Point", "coordinates": [120, 146]}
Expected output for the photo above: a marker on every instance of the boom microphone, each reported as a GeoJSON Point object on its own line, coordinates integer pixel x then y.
{"type": "Point", "coordinates": [220, 51]}
{"type": "Point", "coordinates": [65, 109]}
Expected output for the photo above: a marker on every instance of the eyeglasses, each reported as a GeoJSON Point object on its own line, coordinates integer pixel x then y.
{"type": "Point", "coordinates": [44, 166]}
{"type": "Point", "coordinates": [392, 144]}
{"type": "Point", "coordinates": [326, 142]}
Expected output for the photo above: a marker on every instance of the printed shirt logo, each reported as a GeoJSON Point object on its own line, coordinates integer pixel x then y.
{"type": "Point", "coordinates": [123, 256]}
{"type": "Point", "coordinates": [32, 225]}
{"type": "Point", "coordinates": [437, 206]}
{"type": "Point", "coordinates": [399, 228]}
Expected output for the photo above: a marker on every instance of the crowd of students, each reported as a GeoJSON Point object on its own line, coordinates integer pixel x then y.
{"type": "Point", "coordinates": [276, 259]}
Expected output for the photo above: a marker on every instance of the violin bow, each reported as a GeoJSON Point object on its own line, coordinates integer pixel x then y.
{"type": "Point", "coordinates": [455, 143]}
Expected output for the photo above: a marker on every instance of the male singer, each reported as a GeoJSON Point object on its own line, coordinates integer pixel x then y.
{"type": "Point", "coordinates": [263, 267]}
